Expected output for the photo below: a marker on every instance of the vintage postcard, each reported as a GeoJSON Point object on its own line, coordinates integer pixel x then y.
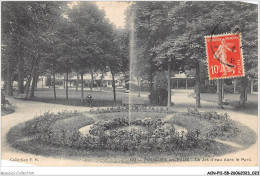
{"type": "Point", "coordinates": [129, 83]}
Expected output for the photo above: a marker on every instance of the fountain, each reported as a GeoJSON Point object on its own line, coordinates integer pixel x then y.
{"type": "Point", "coordinates": [132, 64]}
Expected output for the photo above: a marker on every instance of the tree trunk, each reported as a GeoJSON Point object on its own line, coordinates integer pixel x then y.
{"type": "Point", "coordinates": [34, 76]}
{"type": "Point", "coordinates": [217, 86]}
{"type": "Point", "coordinates": [151, 80]}
{"type": "Point", "coordinates": [54, 86]}
{"type": "Point", "coordinates": [220, 96]}
{"type": "Point", "coordinates": [243, 93]}
{"type": "Point", "coordinates": [33, 86]}
{"type": "Point", "coordinates": [101, 83]}
{"type": "Point", "coordinates": [197, 86]}
{"type": "Point", "coordinates": [77, 83]}
{"type": "Point", "coordinates": [82, 87]}
{"type": "Point", "coordinates": [20, 75]}
{"type": "Point", "coordinates": [67, 88]}
{"type": "Point", "coordinates": [28, 84]}
{"type": "Point", "coordinates": [36, 83]}
{"type": "Point", "coordinates": [114, 86]}
{"type": "Point", "coordinates": [169, 85]}
{"type": "Point", "coordinates": [64, 82]}
{"type": "Point", "coordinates": [92, 80]}
{"type": "Point", "coordinates": [252, 86]}
{"type": "Point", "coordinates": [222, 89]}
{"type": "Point", "coordinates": [235, 88]}
{"type": "Point", "coordinates": [9, 76]}
{"type": "Point", "coordinates": [42, 81]}
{"type": "Point", "coordinates": [50, 82]}
{"type": "Point", "coordinates": [29, 80]}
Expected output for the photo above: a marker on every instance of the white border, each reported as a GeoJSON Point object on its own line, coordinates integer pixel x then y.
{"type": "Point", "coordinates": [129, 170]}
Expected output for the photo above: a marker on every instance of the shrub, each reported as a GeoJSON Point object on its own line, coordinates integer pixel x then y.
{"type": "Point", "coordinates": [108, 134]}
{"type": "Point", "coordinates": [159, 97]}
{"type": "Point", "coordinates": [6, 106]}
{"type": "Point", "coordinates": [155, 138]}
{"type": "Point", "coordinates": [42, 123]}
{"type": "Point", "coordinates": [208, 88]}
{"type": "Point", "coordinates": [223, 126]}
{"type": "Point", "coordinates": [105, 135]}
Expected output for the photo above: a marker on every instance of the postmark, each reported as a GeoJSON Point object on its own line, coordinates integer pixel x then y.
{"type": "Point", "coordinates": [224, 55]}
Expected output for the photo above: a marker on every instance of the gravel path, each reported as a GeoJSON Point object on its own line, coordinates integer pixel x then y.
{"type": "Point", "coordinates": [26, 110]}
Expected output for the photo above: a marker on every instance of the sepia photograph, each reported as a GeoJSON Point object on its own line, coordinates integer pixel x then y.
{"type": "Point", "coordinates": [129, 83]}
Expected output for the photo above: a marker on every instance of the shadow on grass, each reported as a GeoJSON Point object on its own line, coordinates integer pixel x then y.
{"type": "Point", "coordinates": [251, 106]}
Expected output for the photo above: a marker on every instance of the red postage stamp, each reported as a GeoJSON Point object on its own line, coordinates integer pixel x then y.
{"type": "Point", "coordinates": [224, 54]}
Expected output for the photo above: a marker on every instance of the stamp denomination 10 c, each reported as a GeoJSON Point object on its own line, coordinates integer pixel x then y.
{"type": "Point", "coordinates": [224, 53]}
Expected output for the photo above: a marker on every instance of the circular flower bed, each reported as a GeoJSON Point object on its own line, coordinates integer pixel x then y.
{"type": "Point", "coordinates": [109, 135]}
{"type": "Point", "coordinates": [113, 135]}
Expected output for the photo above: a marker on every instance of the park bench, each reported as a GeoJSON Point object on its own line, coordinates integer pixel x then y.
{"type": "Point", "coordinates": [225, 101]}
{"type": "Point", "coordinates": [21, 96]}
{"type": "Point", "coordinates": [121, 89]}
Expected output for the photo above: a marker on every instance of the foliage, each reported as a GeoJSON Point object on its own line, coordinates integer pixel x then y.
{"type": "Point", "coordinates": [132, 108]}
{"type": "Point", "coordinates": [104, 136]}
{"type": "Point", "coordinates": [173, 33]}
{"type": "Point", "coordinates": [108, 135]}
{"type": "Point", "coordinates": [223, 127]}
{"type": "Point", "coordinates": [43, 38]}
{"type": "Point", "coordinates": [70, 142]}
{"type": "Point", "coordinates": [26, 37]}
{"type": "Point", "coordinates": [6, 106]}
{"type": "Point", "coordinates": [41, 124]}
{"type": "Point", "coordinates": [159, 97]}
{"type": "Point", "coordinates": [208, 88]}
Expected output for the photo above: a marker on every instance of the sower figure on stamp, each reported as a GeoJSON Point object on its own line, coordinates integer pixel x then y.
{"type": "Point", "coordinates": [221, 54]}
{"type": "Point", "coordinates": [89, 100]}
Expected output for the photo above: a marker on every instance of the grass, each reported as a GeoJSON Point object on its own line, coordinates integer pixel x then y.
{"type": "Point", "coordinates": [101, 98]}
{"type": "Point", "coordinates": [71, 124]}
{"type": "Point", "coordinates": [14, 136]}
{"type": "Point", "coordinates": [233, 100]}
{"type": "Point", "coordinates": [105, 98]}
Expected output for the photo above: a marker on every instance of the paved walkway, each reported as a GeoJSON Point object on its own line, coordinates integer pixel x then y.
{"type": "Point", "coordinates": [26, 110]}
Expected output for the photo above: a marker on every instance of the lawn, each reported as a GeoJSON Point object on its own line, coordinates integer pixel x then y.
{"type": "Point", "coordinates": [101, 98]}
{"type": "Point", "coordinates": [233, 100]}
{"type": "Point", "coordinates": [66, 124]}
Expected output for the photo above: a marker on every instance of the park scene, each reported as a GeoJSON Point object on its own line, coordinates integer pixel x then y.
{"type": "Point", "coordinates": [128, 83]}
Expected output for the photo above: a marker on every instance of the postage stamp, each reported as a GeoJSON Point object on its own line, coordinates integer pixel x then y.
{"type": "Point", "coordinates": [224, 53]}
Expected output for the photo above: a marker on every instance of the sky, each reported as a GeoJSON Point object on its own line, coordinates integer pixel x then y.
{"type": "Point", "coordinates": [114, 11]}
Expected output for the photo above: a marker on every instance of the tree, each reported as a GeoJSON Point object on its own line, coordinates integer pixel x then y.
{"type": "Point", "coordinates": [87, 43]}
{"type": "Point", "coordinates": [115, 47]}
{"type": "Point", "coordinates": [26, 24]}
{"type": "Point", "coordinates": [175, 31]}
{"type": "Point", "coordinates": [153, 19]}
